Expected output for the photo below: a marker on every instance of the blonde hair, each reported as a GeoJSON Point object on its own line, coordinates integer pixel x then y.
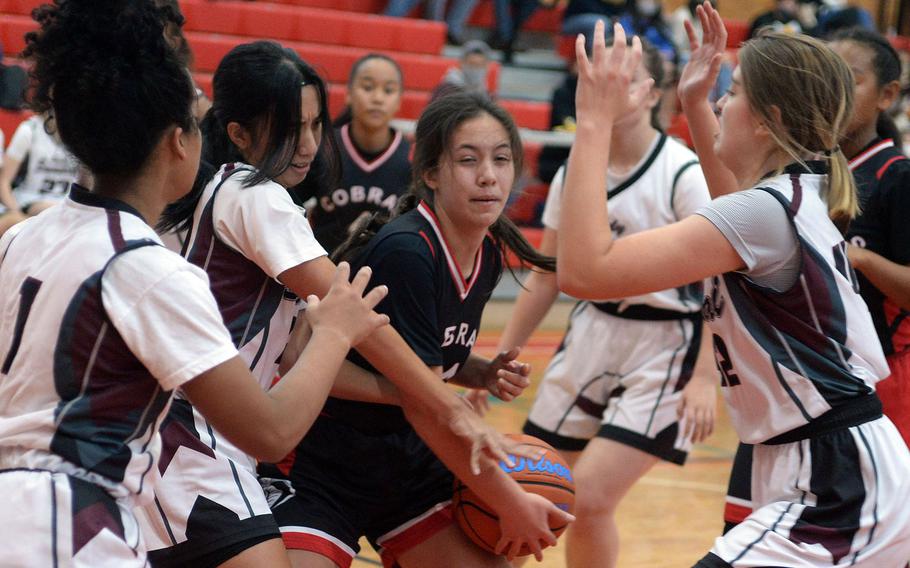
{"type": "Point", "coordinates": [804, 93]}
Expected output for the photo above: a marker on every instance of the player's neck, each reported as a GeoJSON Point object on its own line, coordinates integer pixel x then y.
{"type": "Point", "coordinates": [371, 141]}
{"type": "Point", "coordinates": [142, 194]}
{"type": "Point", "coordinates": [853, 143]}
{"type": "Point", "coordinates": [628, 147]}
{"type": "Point", "coordinates": [463, 241]}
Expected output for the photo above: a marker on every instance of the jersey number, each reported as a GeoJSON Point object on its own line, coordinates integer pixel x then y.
{"type": "Point", "coordinates": [728, 377]}
{"type": "Point", "coordinates": [27, 294]}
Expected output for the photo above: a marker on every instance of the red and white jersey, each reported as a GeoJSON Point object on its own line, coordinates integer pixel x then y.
{"type": "Point", "coordinates": [99, 324]}
{"type": "Point", "coordinates": [51, 168]}
{"type": "Point", "coordinates": [244, 237]}
{"type": "Point", "coordinates": [666, 186]}
{"type": "Point", "coordinates": [789, 356]}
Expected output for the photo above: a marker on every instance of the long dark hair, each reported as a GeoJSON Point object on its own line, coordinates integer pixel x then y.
{"type": "Point", "coordinates": [257, 85]}
{"type": "Point", "coordinates": [345, 116]}
{"type": "Point", "coordinates": [433, 136]}
{"type": "Point", "coordinates": [887, 66]}
{"type": "Point", "coordinates": [107, 77]}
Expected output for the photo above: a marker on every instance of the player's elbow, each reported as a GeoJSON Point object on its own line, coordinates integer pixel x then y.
{"type": "Point", "coordinates": [576, 285]}
{"type": "Point", "coordinates": [274, 447]}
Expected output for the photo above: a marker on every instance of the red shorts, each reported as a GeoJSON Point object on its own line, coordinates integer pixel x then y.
{"type": "Point", "coordinates": [895, 393]}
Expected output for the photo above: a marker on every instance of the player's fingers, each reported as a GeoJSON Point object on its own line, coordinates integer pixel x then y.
{"type": "Point", "coordinates": [312, 302]}
{"type": "Point", "coordinates": [581, 57]}
{"type": "Point", "coordinates": [535, 548]}
{"type": "Point", "coordinates": [707, 33]}
{"type": "Point", "coordinates": [361, 279]}
{"type": "Point", "coordinates": [632, 60]}
{"type": "Point", "coordinates": [378, 320]}
{"type": "Point", "coordinates": [693, 37]}
{"type": "Point", "coordinates": [599, 44]}
{"type": "Point", "coordinates": [511, 354]}
{"type": "Point", "coordinates": [507, 387]}
{"type": "Point", "coordinates": [342, 274]}
{"type": "Point", "coordinates": [376, 295]}
{"type": "Point", "coordinates": [719, 29]}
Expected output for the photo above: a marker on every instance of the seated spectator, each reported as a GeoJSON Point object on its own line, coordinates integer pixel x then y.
{"type": "Point", "coordinates": [458, 14]}
{"type": "Point", "coordinates": [581, 15]}
{"type": "Point", "coordinates": [49, 172]}
{"type": "Point", "coordinates": [510, 17]}
{"type": "Point", "coordinates": [645, 19]}
{"type": "Point", "coordinates": [783, 18]}
{"type": "Point", "coordinates": [834, 15]}
{"type": "Point", "coordinates": [472, 70]}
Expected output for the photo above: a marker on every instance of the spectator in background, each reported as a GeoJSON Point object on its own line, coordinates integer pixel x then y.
{"type": "Point", "coordinates": [471, 72]}
{"type": "Point", "coordinates": [458, 14]}
{"type": "Point", "coordinates": [834, 15]}
{"type": "Point", "coordinates": [510, 17]}
{"type": "Point", "coordinates": [581, 15]}
{"type": "Point", "coordinates": [645, 19]}
{"type": "Point", "coordinates": [783, 18]}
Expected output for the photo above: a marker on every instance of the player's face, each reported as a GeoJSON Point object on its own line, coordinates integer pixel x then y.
{"type": "Point", "coordinates": [867, 95]}
{"type": "Point", "coordinates": [310, 138]}
{"type": "Point", "coordinates": [739, 144]}
{"type": "Point", "coordinates": [191, 140]}
{"type": "Point", "coordinates": [375, 94]}
{"type": "Point", "coordinates": [475, 175]}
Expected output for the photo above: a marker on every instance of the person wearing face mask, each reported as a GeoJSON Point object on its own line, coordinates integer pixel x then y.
{"type": "Point", "coordinates": [645, 19]}
{"type": "Point", "coordinates": [783, 18]}
{"type": "Point", "coordinates": [471, 72]}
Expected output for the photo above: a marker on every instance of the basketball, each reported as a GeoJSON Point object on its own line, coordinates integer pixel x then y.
{"type": "Point", "coordinates": [549, 477]}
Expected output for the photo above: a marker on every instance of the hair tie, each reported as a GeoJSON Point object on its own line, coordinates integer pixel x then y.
{"type": "Point", "coordinates": [834, 150]}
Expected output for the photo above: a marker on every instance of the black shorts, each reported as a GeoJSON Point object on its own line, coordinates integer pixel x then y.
{"type": "Point", "coordinates": [344, 483]}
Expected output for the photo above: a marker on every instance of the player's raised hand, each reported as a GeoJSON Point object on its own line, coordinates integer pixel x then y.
{"type": "Point", "coordinates": [700, 73]}
{"type": "Point", "coordinates": [507, 378]}
{"type": "Point", "coordinates": [605, 81]}
{"type": "Point", "coordinates": [345, 310]}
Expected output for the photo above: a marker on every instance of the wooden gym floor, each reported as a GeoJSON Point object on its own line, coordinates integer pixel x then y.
{"type": "Point", "coordinates": [672, 515]}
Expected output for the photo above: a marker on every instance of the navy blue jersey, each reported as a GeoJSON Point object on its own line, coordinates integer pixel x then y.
{"type": "Point", "coordinates": [368, 184]}
{"type": "Point", "coordinates": [430, 304]}
{"type": "Point", "coordinates": [882, 176]}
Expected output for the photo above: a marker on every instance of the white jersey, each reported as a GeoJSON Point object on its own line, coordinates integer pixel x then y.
{"type": "Point", "coordinates": [666, 186]}
{"type": "Point", "coordinates": [99, 325]}
{"type": "Point", "coordinates": [244, 237]}
{"type": "Point", "coordinates": [51, 168]}
{"type": "Point", "coordinates": [788, 357]}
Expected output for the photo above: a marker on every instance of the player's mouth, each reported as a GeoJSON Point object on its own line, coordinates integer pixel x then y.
{"type": "Point", "coordinates": [301, 167]}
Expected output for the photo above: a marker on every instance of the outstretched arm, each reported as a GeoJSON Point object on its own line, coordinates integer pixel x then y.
{"type": "Point", "coordinates": [698, 78]}
{"type": "Point", "coordinates": [891, 278]}
{"type": "Point", "coordinates": [590, 264]}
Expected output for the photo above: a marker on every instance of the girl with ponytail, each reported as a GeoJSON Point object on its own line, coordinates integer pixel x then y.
{"type": "Point", "coordinates": [441, 256]}
{"type": "Point", "coordinates": [793, 340]}
{"type": "Point", "coordinates": [265, 129]}
{"type": "Point", "coordinates": [102, 325]}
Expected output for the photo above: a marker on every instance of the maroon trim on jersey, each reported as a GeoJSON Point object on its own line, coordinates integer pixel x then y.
{"type": "Point", "coordinates": [864, 156]}
{"type": "Point", "coordinates": [114, 230]}
{"type": "Point", "coordinates": [358, 159]}
{"type": "Point", "coordinates": [464, 287]}
{"type": "Point", "coordinates": [797, 194]}
{"type": "Point", "coordinates": [881, 171]}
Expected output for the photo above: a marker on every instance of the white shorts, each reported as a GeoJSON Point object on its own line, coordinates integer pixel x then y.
{"type": "Point", "coordinates": [52, 519]}
{"type": "Point", "coordinates": [838, 499]}
{"type": "Point", "coordinates": [208, 504]}
{"type": "Point", "coordinates": [619, 379]}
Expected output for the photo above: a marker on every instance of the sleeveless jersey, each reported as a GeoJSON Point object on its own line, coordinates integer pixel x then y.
{"type": "Point", "coordinates": [100, 324]}
{"type": "Point", "coordinates": [51, 168]}
{"type": "Point", "coordinates": [244, 237]}
{"type": "Point", "coordinates": [430, 304]}
{"type": "Point", "coordinates": [668, 185]}
{"type": "Point", "coordinates": [786, 358]}
{"type": "Point", "coordinates": [882, 177]}
{"type": "Point", "coordinates": [366, 186]}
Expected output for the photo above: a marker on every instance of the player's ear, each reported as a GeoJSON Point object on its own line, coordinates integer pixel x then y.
{"type": "Point", "coordinates": [431, 178]}
{"type": "Point", "coordinates": [177, 143]}
{"type": "Point", "coordinates": [240, 136]}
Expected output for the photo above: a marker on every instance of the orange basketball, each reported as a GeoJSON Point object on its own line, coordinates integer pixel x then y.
{"type": "Point", "coordinates": [549, 477]}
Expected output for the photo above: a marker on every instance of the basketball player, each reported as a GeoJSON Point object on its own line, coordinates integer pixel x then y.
{"type": "Point", "coordinates": [265, 126]}
{"type": "Point", "coordinates": [622, 376]}
{"type": "Point", "coordinates": [50, 171]}
{"type": "Point", "coordinates": [792, 338]}
{"type": "Point", "coordinates": [375, 164]}
{"type": "Point", "coordinates": [101, 324]}
{"type": "Point", "coordinates": [881, 173]}
{"type": "Point", "coordinates": [362, 470]}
